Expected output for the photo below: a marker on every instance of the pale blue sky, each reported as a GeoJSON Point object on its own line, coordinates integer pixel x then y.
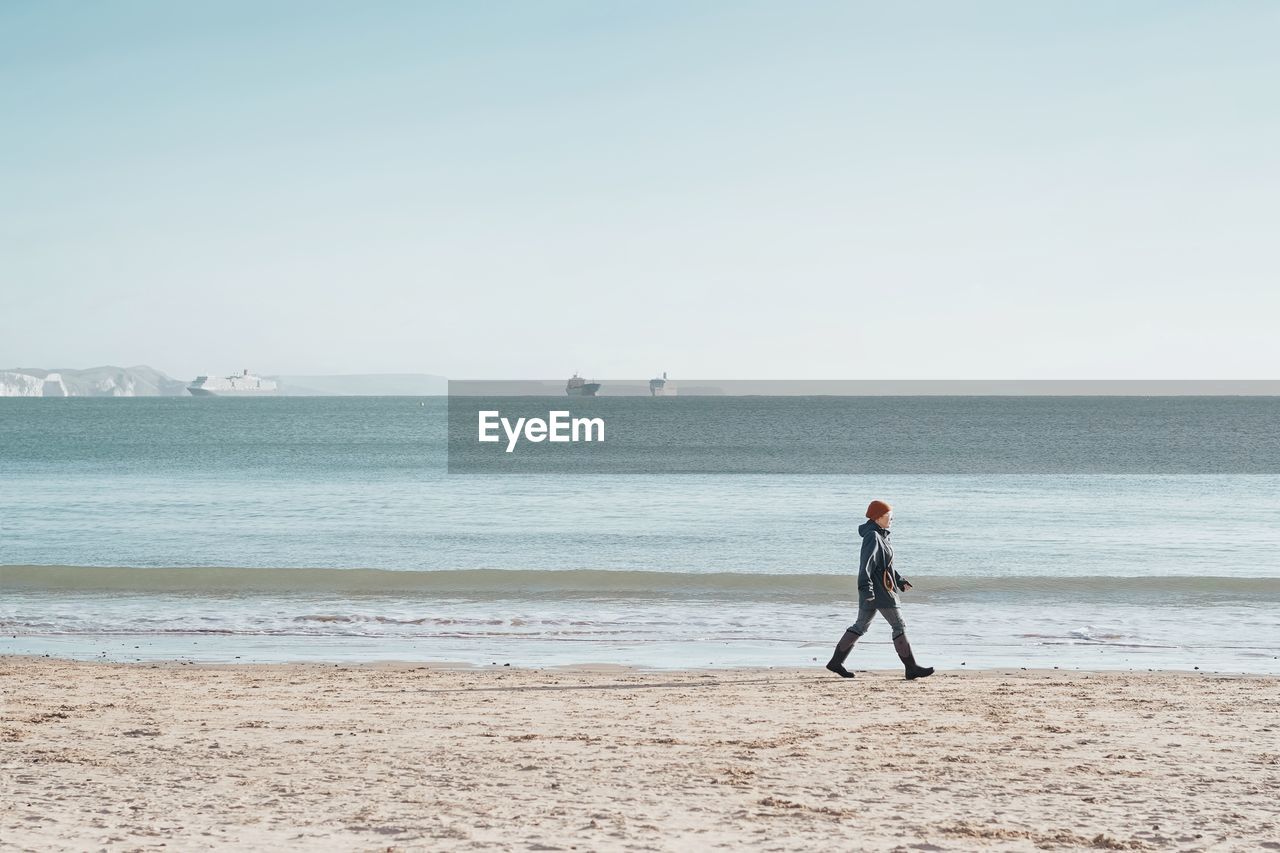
{"type": "Point", "coordinates": [772, 190]}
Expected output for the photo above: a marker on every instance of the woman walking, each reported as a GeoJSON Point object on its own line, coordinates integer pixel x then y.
{"type": "Point", "coordinates": [878, 587]}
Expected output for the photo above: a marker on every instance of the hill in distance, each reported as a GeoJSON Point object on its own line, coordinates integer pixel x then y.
{"type": "Point", "coordinates": [105, 381]}
{"type": "Point", "coordinates": [363, 385]}
{"type": "Point", "coordinates": [143, 381]}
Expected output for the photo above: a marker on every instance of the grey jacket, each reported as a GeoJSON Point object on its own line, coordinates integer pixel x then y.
{"type": "Point", "coordinates": [878, 581]}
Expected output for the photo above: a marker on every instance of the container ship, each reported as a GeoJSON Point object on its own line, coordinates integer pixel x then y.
{"type": "Point", "coordinates": [238, 385]}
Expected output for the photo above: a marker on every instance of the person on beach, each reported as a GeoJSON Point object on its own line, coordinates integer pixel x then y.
{"type": "Point", "coordinates": [878, 587]}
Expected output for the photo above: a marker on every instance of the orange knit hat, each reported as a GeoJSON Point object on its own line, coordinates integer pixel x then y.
{"type": "Point", "coordinates": [877, 509]}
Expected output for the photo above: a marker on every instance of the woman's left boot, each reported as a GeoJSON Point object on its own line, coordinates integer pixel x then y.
{"type": "Point", "coordinates": [914, 670]}
{"type": "Point", "coordinates": [836, 664]}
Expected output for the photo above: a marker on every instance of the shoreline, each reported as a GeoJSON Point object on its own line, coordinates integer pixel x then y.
{"type": "Point", "coordinates": [410, 665]}
{"type": "Point", "coordinates": [405, 756]}
{"type": "Point", "coordinates": [660, 619]}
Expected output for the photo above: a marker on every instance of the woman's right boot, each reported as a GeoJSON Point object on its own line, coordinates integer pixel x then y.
{"type": "Point", "coordinates": [836, 664]}
{"type": "Point", "coordinates": [914, 670]}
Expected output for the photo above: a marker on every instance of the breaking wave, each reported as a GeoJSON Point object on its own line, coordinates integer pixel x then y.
{"type": "Point", "coordinates": [520, 584]}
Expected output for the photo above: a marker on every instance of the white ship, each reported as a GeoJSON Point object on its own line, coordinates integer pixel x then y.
{"type": "Point", "coordinates": [238, 385]}
{"type": "Point", "coordinates": [663, 387]}
{"type": "Point", "coordinates": [579, 387]}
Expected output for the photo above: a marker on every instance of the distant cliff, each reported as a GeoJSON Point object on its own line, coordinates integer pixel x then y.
{"type": "Point", "coordinates": [105, 381]}
{"type": "Point", "coordinates": [148, 382]}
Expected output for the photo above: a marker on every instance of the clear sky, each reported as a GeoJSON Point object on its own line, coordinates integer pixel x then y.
{"type": "Point", "coordinates": [715, 189]}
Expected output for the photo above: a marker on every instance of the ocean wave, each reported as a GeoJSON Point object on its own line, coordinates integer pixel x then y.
{"type": "Point", "coordinates": [521, 584]}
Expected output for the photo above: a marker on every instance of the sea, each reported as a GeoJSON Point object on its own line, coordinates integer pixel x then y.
{"type": "Point", "coordinates": [1092, 533]}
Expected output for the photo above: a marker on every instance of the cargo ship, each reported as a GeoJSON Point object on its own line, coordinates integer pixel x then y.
{"type": "Point", "coordinates": [579, 387]}
{"type": "Point", "coordinates": [242, 384]}
{"type": "Point", "coordinates": [663, 387]}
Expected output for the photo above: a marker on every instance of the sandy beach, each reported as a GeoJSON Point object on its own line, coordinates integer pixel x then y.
{"type": "Point", "coordinates": [405, 757]}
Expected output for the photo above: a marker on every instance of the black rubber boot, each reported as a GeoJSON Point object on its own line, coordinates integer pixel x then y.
{"type": "Point", "coordinates": [836, 664]}
{"type": "Point", "coordinates": [914, 670]}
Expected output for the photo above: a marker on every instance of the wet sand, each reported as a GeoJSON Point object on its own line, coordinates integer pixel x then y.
{"type": "Point", "coordinates": [405, 757]}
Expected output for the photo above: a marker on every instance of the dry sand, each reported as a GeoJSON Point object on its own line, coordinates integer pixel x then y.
{"type": "Point", "coordinates": [138, 756]}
